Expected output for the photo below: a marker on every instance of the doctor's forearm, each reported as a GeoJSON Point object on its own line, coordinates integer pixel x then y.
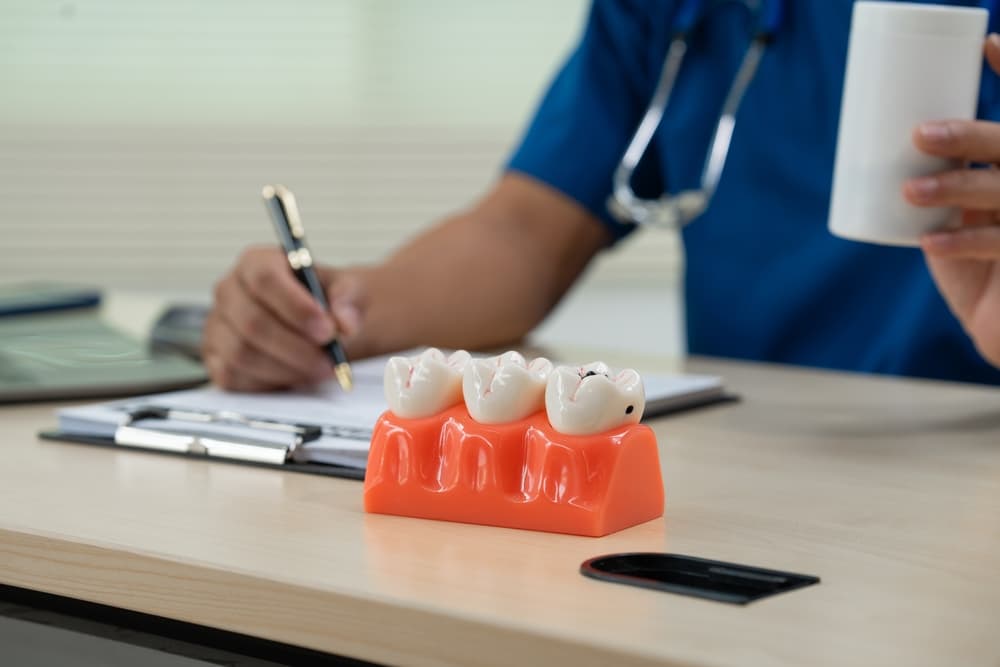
{"type": "Point", "coordinates": [482, 278]}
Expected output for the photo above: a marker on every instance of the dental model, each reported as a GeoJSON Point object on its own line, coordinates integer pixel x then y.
{"type": "Point", "coordinates": [507, 442]}
{"type": "Point", "coordinates": [590, 399]}
{"type": "Point", "coordinates": [505, 388]}
{"type": "Point", "coordinates": [426, 384]}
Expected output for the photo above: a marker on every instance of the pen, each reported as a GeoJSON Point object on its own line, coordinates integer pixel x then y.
{"type": "Point", "coordinates": [284, 212]}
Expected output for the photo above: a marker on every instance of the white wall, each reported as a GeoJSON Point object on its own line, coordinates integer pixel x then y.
{"type": "Point", "coordinates": [135, 135]}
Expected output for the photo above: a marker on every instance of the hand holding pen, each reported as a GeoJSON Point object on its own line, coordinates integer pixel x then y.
{"type": "Point", "coordinates": [265, 330]}
{"type": "Point", "coordinates": [284, 212]}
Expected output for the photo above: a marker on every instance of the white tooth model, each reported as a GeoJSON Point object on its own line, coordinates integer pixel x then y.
{"type": "Point", "coordinates": [504, 389]}
{"type": "Point", "coordinates": [424, 385]}
{"type": "Point", "coordinates": [591, 399]}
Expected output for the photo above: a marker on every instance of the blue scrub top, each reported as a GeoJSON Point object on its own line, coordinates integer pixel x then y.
{"type": "Point", "coordinates": [765, 279]}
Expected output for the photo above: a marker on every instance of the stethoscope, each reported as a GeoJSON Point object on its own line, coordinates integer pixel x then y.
{"type": "Point", "coordinates": [677, 210]}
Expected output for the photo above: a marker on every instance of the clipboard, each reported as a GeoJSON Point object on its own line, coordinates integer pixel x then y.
{"type": "Point", "coordinates": [188, 433]}
{"type": "Point", "coordinates": [309, 468]}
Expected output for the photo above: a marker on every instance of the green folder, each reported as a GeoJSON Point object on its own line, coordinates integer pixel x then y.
{"type": "Point", "coordinates": [75, 354]}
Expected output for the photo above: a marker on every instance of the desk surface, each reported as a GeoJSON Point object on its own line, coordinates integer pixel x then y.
{"type": "Point", "coordinates": [887, 489]}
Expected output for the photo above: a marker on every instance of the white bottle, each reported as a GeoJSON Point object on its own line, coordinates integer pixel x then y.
{"type": "Point", "coordinates": [907, 63]}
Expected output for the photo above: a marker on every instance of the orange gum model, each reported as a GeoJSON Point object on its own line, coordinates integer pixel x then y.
{"type": "Point", "coordinates": [521, 474]}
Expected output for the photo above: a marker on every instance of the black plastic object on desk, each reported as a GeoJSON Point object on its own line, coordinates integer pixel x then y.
{"type": "Point", "coordinates": [697, 577]}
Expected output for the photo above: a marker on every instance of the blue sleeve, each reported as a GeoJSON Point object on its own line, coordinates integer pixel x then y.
{"type": "Point", "coordinates": [585, 120]}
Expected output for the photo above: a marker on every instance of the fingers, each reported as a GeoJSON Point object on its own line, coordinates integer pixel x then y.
{"type": "Point", "coordinates": [265, 330]}
{"type": "Point", "coordinates": [264, 274]}
{"type": "Point", "coordinates": [965, 140]}
{"type": "Point", "coordinates": [236, 364]}
{"type": "Point", "coordinates": [973, 218]}
{"type": "Point", "coordinates": [976, 189]}
{"type": "Point", "coordinates": [979, 242]}
{"type": "Point", "coordinates": [344, 290]}
{"type": "Point", "coordinates": [256, 325]}
{"type": "Point", "coordinates": [992, 52]}
{"type": "Point", "coordinates": [971, 140]}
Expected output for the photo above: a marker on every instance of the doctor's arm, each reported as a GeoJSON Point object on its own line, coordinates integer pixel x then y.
{"type": "Point", "coordinates": [965, 262]}
{"type": "Point", "coordinates": [479, 279]}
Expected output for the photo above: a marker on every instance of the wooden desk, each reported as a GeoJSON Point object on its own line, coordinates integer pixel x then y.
{"type": "Point", "coordinates": [887, 489]}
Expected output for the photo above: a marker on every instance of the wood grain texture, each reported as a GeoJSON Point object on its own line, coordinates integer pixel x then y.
{"type": "Point", "coordinates": [887, 489]}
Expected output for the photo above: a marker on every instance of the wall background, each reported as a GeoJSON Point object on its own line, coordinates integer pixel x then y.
{"type": "Point", "coordinates": [135, 136]}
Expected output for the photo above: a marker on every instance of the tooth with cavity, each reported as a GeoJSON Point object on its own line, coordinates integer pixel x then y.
{"type": "Point", "coordinates": [425, 384]}
{"type": "Point", "coordinates": [506, 388]}
{"type": "Point", "coordinates": [592, 399]}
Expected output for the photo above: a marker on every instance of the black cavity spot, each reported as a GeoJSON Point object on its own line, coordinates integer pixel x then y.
{"type": "Point", "coordinates": [629, 409]}
{"type": "Point", "coordinates": [589, 373]}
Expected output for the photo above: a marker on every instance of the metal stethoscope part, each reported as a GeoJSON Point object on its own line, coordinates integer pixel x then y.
{"type": "Point", "coordinates": [676, 210]}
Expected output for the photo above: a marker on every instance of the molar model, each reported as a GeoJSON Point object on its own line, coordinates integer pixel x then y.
{"type": "Point", "coordinates": [509, 442]}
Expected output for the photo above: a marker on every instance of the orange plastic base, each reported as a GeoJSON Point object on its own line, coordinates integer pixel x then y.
{"type": "Point", "coordinates": [518, 475]}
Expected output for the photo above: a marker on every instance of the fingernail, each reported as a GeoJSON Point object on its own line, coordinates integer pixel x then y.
{"type": "Point", "coordinates": [349, 318]}
{"type": "Point", "coordinates": [320, 329]}
{"type": "Point", "coordinates": [936, 133]}
{"type": "Point", "coordinates": [994, 39]}
{"type": "Point", "coordinates": [924, 188]}
{"type": "Point", "coordinates": [935, 242]}
{"type": "Point", "coordinates": [937, 237]}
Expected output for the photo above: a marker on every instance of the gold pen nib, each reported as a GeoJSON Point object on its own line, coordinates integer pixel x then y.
{"type": "Point", "coordinates": [344, 377]}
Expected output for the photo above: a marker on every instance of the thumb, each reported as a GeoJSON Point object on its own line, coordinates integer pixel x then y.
{"type": "Point", "coordinates": [992, 52]}
{"type": "Point", "coordinates": [345, 292]}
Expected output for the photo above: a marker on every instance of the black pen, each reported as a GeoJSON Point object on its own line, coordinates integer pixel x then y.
{"type": "Point", "coordinates": [284, 212]}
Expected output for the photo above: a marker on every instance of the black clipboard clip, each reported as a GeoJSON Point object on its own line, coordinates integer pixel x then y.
{"type": "Point", "coordinates": [211, 442]}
